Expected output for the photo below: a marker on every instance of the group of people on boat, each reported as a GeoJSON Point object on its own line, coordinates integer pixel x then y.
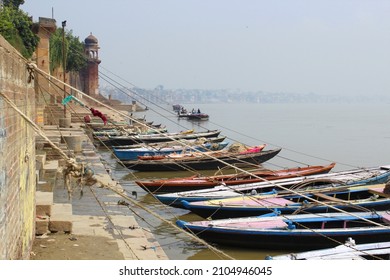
{"type": "Point", "coordinates": [183, 111]}
{"type": "Point", "coordinates": [192, 115]}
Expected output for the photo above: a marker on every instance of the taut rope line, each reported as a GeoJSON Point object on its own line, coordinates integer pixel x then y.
{"type": "Point", "coordinates": [34, 126]}
{"type": "Point", "coordinates": [120, 113]}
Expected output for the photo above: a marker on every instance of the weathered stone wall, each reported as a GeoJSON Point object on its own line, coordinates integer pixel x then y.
{"type": "Point", "coordinates": [17, 157]}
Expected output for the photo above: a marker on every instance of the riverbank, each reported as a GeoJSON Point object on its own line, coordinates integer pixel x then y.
{"type": "Point", "coordinates": [93, 223]}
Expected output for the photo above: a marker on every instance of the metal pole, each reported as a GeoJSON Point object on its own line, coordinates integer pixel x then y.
{"type": "Point", "coordinates": [64, 60]}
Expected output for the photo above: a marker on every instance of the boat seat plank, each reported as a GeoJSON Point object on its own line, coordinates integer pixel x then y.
{"type": "Point", "coordinates": [329, 198]}
{"type": "Point", "coordinates": [386, 218]}
{"type": "Point", "coordinates": [380, 192]}
{"type": "Point", "coordinates": [254, 202]}
{"type": "Point", "coordinates": [277, 223]}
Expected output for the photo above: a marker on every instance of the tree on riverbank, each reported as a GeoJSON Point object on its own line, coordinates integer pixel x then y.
{"type": "Point", "coordinates": [16, 27]}
{"type": "Point", "coordinates": [14, 3]}
{"type": "Point", "coordinates": [74, 51]}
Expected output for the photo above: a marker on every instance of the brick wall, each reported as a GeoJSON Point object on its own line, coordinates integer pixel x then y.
{"type": "Point", "coordinates": [17, 158]}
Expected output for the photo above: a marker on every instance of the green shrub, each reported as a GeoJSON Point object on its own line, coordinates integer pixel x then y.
{"type": "Point", "coordinates": [15, 27]}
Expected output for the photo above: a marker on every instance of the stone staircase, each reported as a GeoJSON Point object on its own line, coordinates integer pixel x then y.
{"type": "Point", "coordinates": [50, 217]}
{"type": "Point", "coordinates": [86, 216]}
{"type": "Point", "coordinates": [52, 113]}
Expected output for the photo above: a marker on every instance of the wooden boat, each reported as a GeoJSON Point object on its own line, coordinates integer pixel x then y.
{"type": "Point", "coordinates": [373, 175]}
{"type": "Point", "coordinates": [154, 138]}
{"type": "Point", "coordinates": [106, 132]}
{"type": "Point", "coordinates": [348, 251]}
{"type": "Point", "coordinates": [131, 131]}
{"type": "Point", "coordinates": [201, 153]}
{"type": "Point", "coordinates": [196, 182]}
{"type": "Point", "coordinates": [302, 231]}
{"type": "Point", "coordinates": [99, 126]}
{"type": "Point", "coordinates": [159, 145]}
{"type": "Point", "coordinates": [156, 125]}
{"type": "Point", "coordinates": [193, 115]}
{"type": "Point", "coordinates": [198, 116]}
{"type": "Point", "coordinates": [140, 153]}
{"type": "Point", "coordinates": [201, 162]}
{"type": "Point", "coordinates": [320, 200]}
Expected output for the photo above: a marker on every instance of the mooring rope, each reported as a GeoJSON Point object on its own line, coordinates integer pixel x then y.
{"type": "Point", "coordinates": [74, 169]}
{"type": "Point", "coordinates": [59, 150]}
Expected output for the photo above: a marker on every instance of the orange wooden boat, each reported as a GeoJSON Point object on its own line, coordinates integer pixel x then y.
{"type": "Point", "coordinates": [196, 182]}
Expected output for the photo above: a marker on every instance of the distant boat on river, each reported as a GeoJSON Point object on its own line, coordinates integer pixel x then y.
{"type": "Point", "coordinates": [193, 115]}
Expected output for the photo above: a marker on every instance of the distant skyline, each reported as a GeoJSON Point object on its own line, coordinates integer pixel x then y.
{"type": "Point", "coordinates": [302, 46]}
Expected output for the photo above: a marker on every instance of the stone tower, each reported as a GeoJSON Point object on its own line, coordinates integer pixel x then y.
{"type": "Point", "coordinates": [43, 89]}
{"type": "Point", "coordinates": [90, 75]}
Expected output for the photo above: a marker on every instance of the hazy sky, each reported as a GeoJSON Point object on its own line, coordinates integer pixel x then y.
{"type": "Point", "coordinates": [319, 46]}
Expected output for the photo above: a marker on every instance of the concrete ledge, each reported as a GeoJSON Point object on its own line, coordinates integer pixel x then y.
{"type": "Point", "coordinates": [40, 160]}
{"type": "Point", "coordinates": [74, 142]}
{"type": "Point", "coordinates": [53, 154]}
{"type": "Point", "coordinates": [52, 138]}
{"type": "Point", "coordinates": [50, 168]}
{"type": "Point", "coordinates": [126, 233]}
{"type": "Point", "coordinates": [61, 218]}
{"type": "Point", "coordinates": [51, 165]}
{"type": "Point", "coordinates": [44, 203]}
{"type": "Point", "coordinates": [41, 225]}
{"type": "Point", "coordinates": [45, 186]}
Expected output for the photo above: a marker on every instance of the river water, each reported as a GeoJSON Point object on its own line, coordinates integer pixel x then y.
{"type": "Point", "coordinates": [352, 135]}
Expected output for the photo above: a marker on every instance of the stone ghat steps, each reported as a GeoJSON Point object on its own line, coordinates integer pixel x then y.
{"type": "Point", "coordinates": [94, 215]}
{"type": "Point", "coordinates": [52, 217]}
{"type": "Point", "coordinates": [134, 242]}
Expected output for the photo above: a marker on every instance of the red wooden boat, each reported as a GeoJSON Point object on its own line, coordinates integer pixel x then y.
{"type": "Point", "coordinates": [196, 182]}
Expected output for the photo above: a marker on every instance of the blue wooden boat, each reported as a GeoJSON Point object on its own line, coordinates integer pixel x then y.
{"type": "Point", "coordinates": [300, 232]}
{"type": "Point", "coordinates": [135, 153]}
{"type": "Point", "coordinates": [352, 199]}
{"type": "Point", "coordinates": [360, 176]}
